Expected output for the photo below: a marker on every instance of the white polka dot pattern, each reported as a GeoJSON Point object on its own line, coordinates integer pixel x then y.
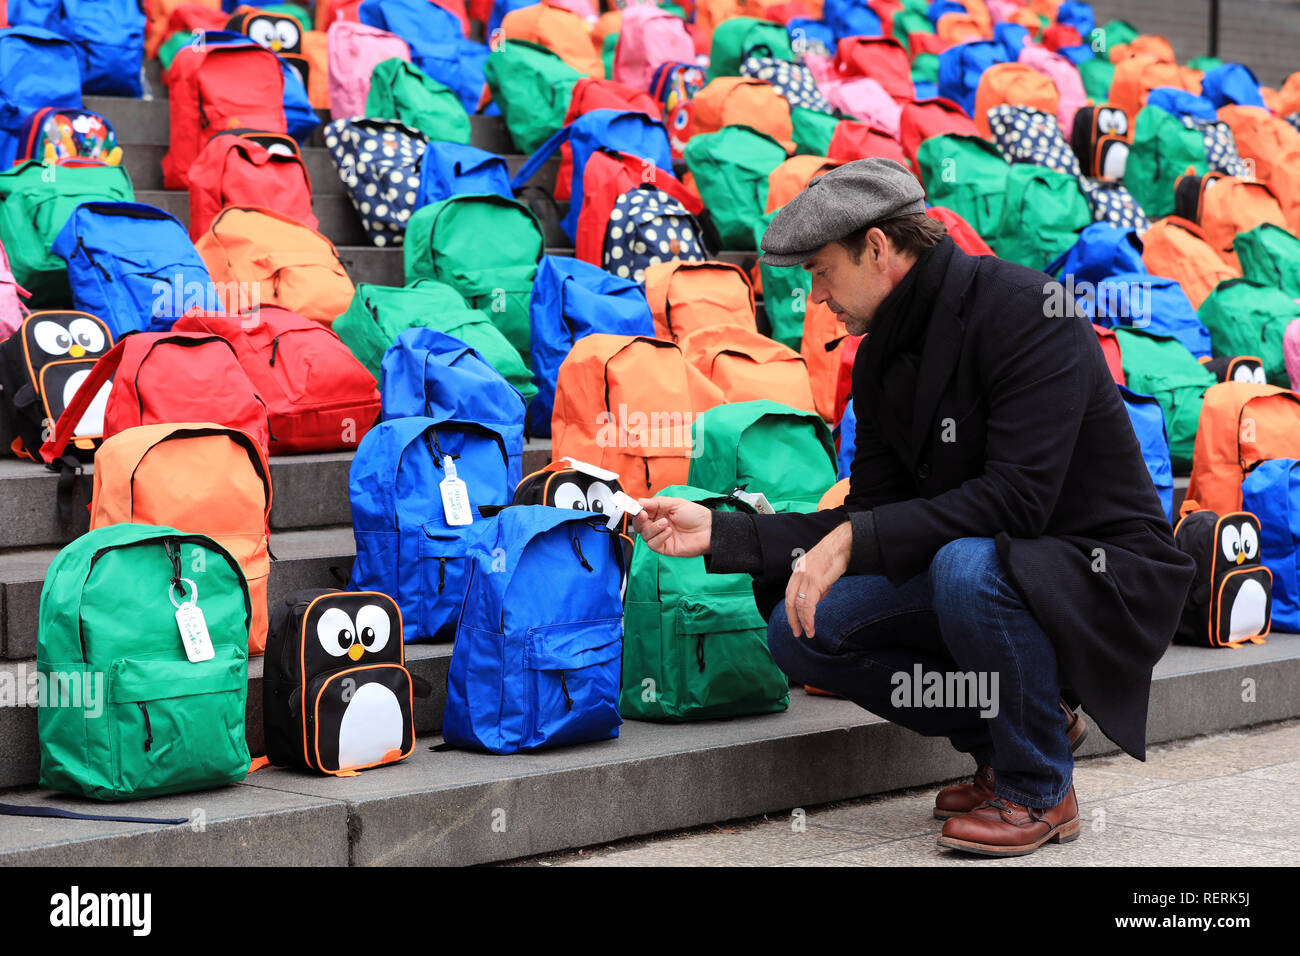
{"type": "Point", "coordinates": [379, 164]}
{"type": "Point", "coordinates": [794, 81]}
{"type": "Point", "coordinates": [654, 228]}
{"type": "Point", "coordinates": [1111, 202]}
{"type": "Point", "coordinates": [1027, 135]}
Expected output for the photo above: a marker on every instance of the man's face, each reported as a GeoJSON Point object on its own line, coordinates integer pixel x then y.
{"type": "Point", "coordinates": [854, 290]}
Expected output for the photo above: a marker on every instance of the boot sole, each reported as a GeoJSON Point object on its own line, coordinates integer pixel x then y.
{"type": "Point", "coordinates": [1062, 833]}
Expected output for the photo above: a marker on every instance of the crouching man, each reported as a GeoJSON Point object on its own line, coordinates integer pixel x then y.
{"type": "Point", "coordinates": [1000, 520]}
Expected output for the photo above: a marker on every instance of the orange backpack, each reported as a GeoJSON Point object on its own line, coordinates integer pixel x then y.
{"type": "Point", "coordinates": [708, 15]}
{"type": "Point", "coordinates": [1014, 84]}
{"type": "Point", "coordinates": [288, 264]}
{"type": "Point", "coordinates": [1228, 206]}
{"type": "Point", "coordinates": [742, 101]}
{"type": "Point", "coordinates": [955, 28]}
{"type": "Point", "coordinates": [747, 366]}
{"type": "Point", "coordinates": [627, 403]}
{"type": "Point", "coordinates": [1136, 76]}
{"type": "Point", "coordinates": [1241, 425]}
{"type": "Point", "coordinates": [561, 31]}
{"type": "Point", "coordinates": [196, 477]}
{"type": "Point", "coordinates": [1272, 145]}
{"type": "Point", "coordinates": [1178, 249]}
{"type": "Point", "coordinates": [793, 176]}
{"type": "Point", "coordinates": [834, 497]}
{"type": "Point", "coordinates": [316, 52]}
{"type": "Point", "coordinates": [822, 348]}
{"type": "Point", "coordinates": [1148, 44]}
{"type": "Point", "coordinates": [685, 296]}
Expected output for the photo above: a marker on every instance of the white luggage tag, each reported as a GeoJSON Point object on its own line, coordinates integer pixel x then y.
{"type": "Point", "coordinates": [622, 503]}
{"type": "Point", "coordinates": [193, 626]}
{"type": "Point", "coordinates": [756, 500]}
{"type": "Point", "coordinates": [455, 496]}
{"type": "Point", "coordinates": [589, 469]}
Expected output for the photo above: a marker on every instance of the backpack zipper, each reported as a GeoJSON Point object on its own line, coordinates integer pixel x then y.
{"type": "Point", "coordinates": [577, 546]}
{"type": "Point", "coordinates": [275, 347]}
{"type": "Point", "coordinates": [81, 247]}
{"type": "Point", "coordinates": [148, 729]}
{"type": "Point", "coordinates": [564, 686]}
{"type": "Point", "coordinates": [699, 651]}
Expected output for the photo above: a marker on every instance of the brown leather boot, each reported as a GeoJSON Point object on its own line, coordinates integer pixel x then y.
{"type": "Point", "coordinates": [964, 797]}
{"type": "Point", "coordinates": [999, 827]}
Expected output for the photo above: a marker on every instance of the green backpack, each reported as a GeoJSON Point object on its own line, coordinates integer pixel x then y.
{"type": "Point", "coordinates": [925, 68]}
{"type": "Point", "coordinates": [158, 723]}
{"type": "Point", "coordinates": [968, 175]}
{"type": "Point", "coordinates": [1247, 318]}
{"type": "Point", "coordinates": [786, 454]}
{"type": "Point", "coordinates": [379, 313]}
{"type": "Point", "coordinates": [907, 22]}
{"type": "Point", "coordinates": [37, 201]}
{"type": "Point", "coordinates": [785, 294]}
{"type": "Point", "coordinates": [694, 643]}
{"type": "Point", "coordinates": [486, 247]}
{"type": "Point", "coordinates": [1161, 367]}
{"type": "Point", "coordinates": [1042, 216]}
{"type": "Point", "coordinates": [1163, 148]}
{"type": "Point", "coordinates": [737, 39]}
{"type": "Point", "coordinates": [1270, 255]}
{"type": "Point", "coordinates": [1097, 75]}
{"type": "Point", "coordinates": [1204, 63]}
{"type": "Point", "coordinates": [533, 87]}
{"type": "Point", "coordinates": [813, 131]}
{"type": "Point", "coordinates": [731, 169]}
{"type": "Point", "coordinates": [607, 51]}
{"type": "Point", "coordinates": [1105, 38]}
{"type": "Point", "coordinates": [402, 91]}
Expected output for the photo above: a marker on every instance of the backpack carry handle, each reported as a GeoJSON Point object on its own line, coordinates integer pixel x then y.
{"type": "Point", "coordinates": [101, 372]}
{"type": "Point", "coordinates": [538, 159]}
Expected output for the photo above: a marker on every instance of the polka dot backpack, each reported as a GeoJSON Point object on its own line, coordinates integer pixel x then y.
{"type": "Point", "coordinates": [1027, 135]}
{"type": "Point", "coordinates": [792, 80]}
{"type": "Point", "coordinates": [1111, 202]}
{"type": "Point", "coordinates": [646, 227]}
{"type": "Point", "coordinates": [379, 164]}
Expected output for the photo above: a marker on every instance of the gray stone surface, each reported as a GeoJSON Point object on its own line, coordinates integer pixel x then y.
{"type": "Point", "coordinates": [237, 825]}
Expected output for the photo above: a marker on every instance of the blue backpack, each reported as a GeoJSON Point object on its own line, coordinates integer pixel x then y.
{"type": "Point", "coordinates": [1103, 250]}
{"type": "Point", "coordinates": [1150, 303]}
{"type": "Point", "coordinates": [811, 36]}
{"type": "Point", "coordinates": [847, 432]}
{"type": "Point", "coordinates": [38, 69]}
{"type": "Point", "coordinates": [1013, 38]}
{"type": "Point", "coordinates": [438, 45]}
{"type": "Point", "coordinates": [132, 265]}
{"type": "Point", "coordinates": [378, 162]}
{"type": "Point", "coordinates": [960, 69]}
{"type": "Point", "coordinates": [1077, 15]}
{"type": "Point", "coordinates": [1149, 427]}
{"type": "Point", "coordinates": [427, 373]}
{"type": "Point", "coordinates": [450, 169]}
{"type": "Point", "coordinates": [405, 548]}
{"type": "Point", "coordinates": [1181, 103]}
{"type": "Point", "coordinates": [1272, 493]}
{"type": "Point", "coordinates": [573, 299]}
{"type": "Point", "coordinates": [1232, 83]}
{"type": "Point", "coordinates": [538, 656]}
{"type": "Point", "coordinates": [499, 10]}
{"type": "Point", "coordinates": [939, 7]}
{"type": "Point", "coordinates": [633, 133]}
{"type": "Point", "coordinates": [850, 18]}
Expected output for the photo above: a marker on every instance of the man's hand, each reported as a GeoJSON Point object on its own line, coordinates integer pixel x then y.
{"type": "Point", "coordinates": [814, 573]}
{"type": "Point", "coordinates": [674, 526]}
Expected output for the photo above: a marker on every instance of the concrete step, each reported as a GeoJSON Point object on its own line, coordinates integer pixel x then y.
{"type": "Point", "coordinates": [448, 807]}
{"type": "Point", "coordinates": [309, 491]}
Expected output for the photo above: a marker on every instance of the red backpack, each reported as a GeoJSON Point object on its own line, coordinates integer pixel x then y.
{"type": "Point", "coordinates": [164, 378]}
{"type": "Point", "coordinates": [216, 88]}
{"type": "Point", "coordinates": [853, 140]}
{"type": "Point", "coordinates": [249, 168]}
{"type": "Point", "coordinates": [962, 232]}
{"type": "Point", "coordinates": [318, 396]}
{"type": "Point", "coordinates": [607, 175]}
{"type": "Point", "coordinates": [882, 59]}
{"type": "Point", "coordinates": [925, 118]}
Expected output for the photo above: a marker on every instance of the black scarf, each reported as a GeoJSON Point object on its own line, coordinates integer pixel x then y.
{"type": "Point", "coordinates": [887, 366]}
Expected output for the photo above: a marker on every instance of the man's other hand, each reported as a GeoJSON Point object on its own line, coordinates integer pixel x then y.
{"type": "Point", "coordinates": [674, 526]}
{"type": "Point", "coordinates": [814, 573]}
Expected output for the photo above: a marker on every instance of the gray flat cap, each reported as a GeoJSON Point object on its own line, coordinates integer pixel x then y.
{"type": "Point", "coordinates": [838, 203]}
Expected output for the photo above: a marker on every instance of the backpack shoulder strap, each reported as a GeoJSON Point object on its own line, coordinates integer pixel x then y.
{"type": "Point", "coordinates": [102, 371]}
{"type": "Point", "coordinates": [530, 168]}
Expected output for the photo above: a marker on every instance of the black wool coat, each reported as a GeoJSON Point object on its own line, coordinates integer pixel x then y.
{"type": "Point", "coordinates": [1020, 435]}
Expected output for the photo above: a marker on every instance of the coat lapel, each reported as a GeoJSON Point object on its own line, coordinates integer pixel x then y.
{"type": "Point", "coordinates": [943, 344]}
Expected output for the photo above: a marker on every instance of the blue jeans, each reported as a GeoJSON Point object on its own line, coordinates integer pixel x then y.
{"type": "Point", "coordinates": [963, 616]}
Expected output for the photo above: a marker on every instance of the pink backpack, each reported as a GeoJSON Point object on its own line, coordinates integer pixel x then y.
{"type": "Point", "coordinates": [1291, 352]}
{"type": "Point", "coordinates": [649, 36]}
{"type": "Point", "coordinates": [1002, 10]}
{"type": "Point", "coordinates": [1066, 77]}
{"type": "Point", "coordinates": [354, 50]}
{"type": "Point", "coordinates": [584, 9]}
{"type": "Point", "coordinates": [12, 310]}
{"type": "Point", "coordinates": [865, 99]}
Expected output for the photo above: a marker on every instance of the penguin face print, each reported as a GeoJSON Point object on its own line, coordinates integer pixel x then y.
{"type": "Point", "coordinates": [278, 34]}
{"type": "Point", "coordinates": [1241, 603]}
{"type": "Point", "coordinates": [59, 336]}
{"type": "Point", "coordinates": [1112, 121]}
{"type": "Point", "coordinates": [1250, 371]}
{"type": "Point", "coordinates": [582, 494]}
{"type": "Point", "coordinates": [1238, 541]}
{"type": "Point", "coordinates": [1112, 159]}
{"type": "Point", "coordinates": [346, 629]}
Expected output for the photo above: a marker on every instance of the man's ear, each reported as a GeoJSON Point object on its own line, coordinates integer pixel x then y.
{"type": "Point", "coordinates": [878, 247]}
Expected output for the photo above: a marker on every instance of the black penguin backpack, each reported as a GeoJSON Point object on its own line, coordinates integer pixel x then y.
{"type": "Point", "coordinates": [1231, 598]}
{"type": "Point", "coordinates": [336, 695]}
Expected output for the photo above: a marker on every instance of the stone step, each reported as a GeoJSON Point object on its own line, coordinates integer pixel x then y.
{"type": "Point", "coordinates": [449, 807]}
{"type": "Point", "coordinates": [309, 491]}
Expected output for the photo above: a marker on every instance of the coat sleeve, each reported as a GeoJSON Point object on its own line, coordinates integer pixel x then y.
{"type": "Point", "coordinates": [1033, 371]}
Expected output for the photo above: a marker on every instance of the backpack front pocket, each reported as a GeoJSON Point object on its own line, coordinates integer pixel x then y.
{"type": "Point", "coordinates": [573, 680]}
{"type": "Point", "coordinates": [175, 725]}
{"type": "Point", "coordinates": [359, 717]}
{"type": "Point", "coordinates": [1243, 606]}
{"type": "Point", "coordinates": [443, 574]}
{"type": "Point", "coordinates": [725, 667]}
